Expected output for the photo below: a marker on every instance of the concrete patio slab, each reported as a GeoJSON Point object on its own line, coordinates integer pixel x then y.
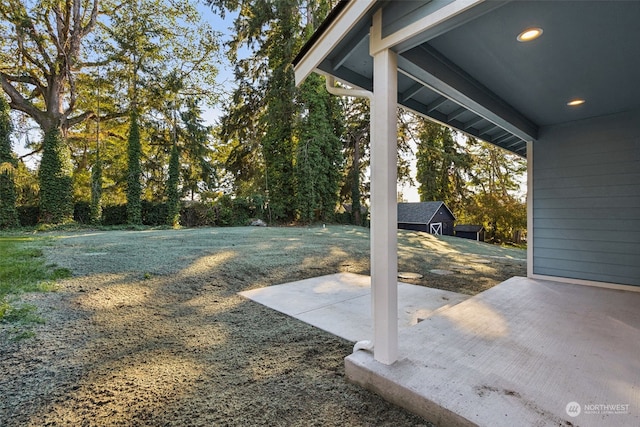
{"type": "Point", "coordinates": [524, 353]}
{"type": "Point", "coordinates": [341, 303]}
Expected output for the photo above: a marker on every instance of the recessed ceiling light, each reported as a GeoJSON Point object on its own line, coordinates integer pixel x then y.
{"type": "Point", "coordinates": [575, 102]}
{"type": "Point", "coordinates": [529, 34]}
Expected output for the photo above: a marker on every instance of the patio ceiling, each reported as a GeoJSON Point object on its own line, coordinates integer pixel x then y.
{"type": "Point", "coordinates": [470, 72]}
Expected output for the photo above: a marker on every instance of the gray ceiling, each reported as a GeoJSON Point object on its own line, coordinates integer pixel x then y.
{"type": "Point", "coordinates": [589, 49]}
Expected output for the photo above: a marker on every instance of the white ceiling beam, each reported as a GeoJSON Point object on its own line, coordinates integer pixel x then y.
{"type": "Point", "coordinates": [419, 27]}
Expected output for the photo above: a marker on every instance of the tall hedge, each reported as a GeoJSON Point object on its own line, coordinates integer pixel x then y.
{"type": "Point", "coordinates": [8, 211]}
{"type": "Point", "coordinates": [55, 175]}
{"type": "Point", "coordinates": [134, 173]}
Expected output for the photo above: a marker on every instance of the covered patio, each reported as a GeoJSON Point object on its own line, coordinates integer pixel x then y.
{"type": "Point", "coordinates": [555, 82]}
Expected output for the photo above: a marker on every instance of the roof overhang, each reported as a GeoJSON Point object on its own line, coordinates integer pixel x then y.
{"type": "Point", "coordinates": [459, 62]}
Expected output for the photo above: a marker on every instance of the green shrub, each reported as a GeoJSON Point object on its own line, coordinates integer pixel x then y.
{"type": "Point", "coordinates": [154, 213]}
{"type": "Point", "coordinates": [29, 216]}
{"type": "Point", "coordinates": [114, 215]}
{"type": "Point", "coordinates": [82, 212]}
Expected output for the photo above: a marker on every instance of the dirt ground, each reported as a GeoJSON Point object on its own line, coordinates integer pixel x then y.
{"type": "Point", "coordinates": [150, 329]}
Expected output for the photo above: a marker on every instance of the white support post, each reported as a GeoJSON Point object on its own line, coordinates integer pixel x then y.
{"type": "Point", "coordinates": [384, 213]}
{"type": "Point", "coordinates": [530, 247]}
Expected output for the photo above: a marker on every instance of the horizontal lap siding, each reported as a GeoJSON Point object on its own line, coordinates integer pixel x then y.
{"type": "Point", "coordinates": [586, 200]}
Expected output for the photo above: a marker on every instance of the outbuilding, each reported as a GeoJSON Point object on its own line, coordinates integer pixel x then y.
{"type": "Point", "coordinates": [430, 217]}
{"type": "Point", "coordinates": [469, 231]}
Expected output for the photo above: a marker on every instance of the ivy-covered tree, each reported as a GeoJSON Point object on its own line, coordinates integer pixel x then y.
{"type": "Point", "coordinates": [261, 123]}
{"type": "Point", "coordinates": [96, 191]}
{"type": "Point", "coordinates": [41, 53]}
{"type": "Point", "coordinates": [173, 196]}
{"type": "Point", "coordinates": [318, 154]}
{"type": "Point", "coordinates": [8, 164]}
{"type": "Point", "coordinates": [283, 41]}
{"type": "Point", "coordinates": [134, 172]}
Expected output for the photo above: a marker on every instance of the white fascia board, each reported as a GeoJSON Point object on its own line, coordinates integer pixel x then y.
{"type": "Point", "coordinates": [350, 16]}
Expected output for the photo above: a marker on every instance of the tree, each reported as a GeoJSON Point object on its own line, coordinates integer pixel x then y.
{"type": "Point", "coordinates": [278, 141]}
{"type": "Point", "coordinates": [8, 164]}
{"type": "Point", "coordinates": [41, 51]}
{"type": "Point", "coordinates": [47, 52]}
{"type": "Point", "coordinates": [134, 172]}
{"type": "Point", "coordinates": [495, 183]}
{"type": "Point", "coordinates": [96, 190]}
{"type": "Point", "coordinates": [261, 123]}
{"type": "Point", "coordinates": [198, 173]}
{"type": "Point", "coordinates": [240, 134]}
{"type": "Point", "coordinates": [356, 154]}
{"type": "Point", "coordinates": [173, 196]}
{"type": "Point", "coordinates": [318, 154]}
{"type": "Point", "coordinates": [442, 164]}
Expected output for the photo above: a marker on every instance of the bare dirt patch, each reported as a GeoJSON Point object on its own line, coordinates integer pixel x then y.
{"type": "Point", "coordinates": [151, 331]}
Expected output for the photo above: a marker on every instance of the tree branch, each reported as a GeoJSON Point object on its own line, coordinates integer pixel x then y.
{"type": "Point", "coordinates": [18, 102]}
{"type": "Point", "coordinates": [87, 115]}
{"type": "Point", "coordinates": [22, 79]}
{"type": "Point", "coordinates": [92, 21]}
{"type": "Point", "coordinates": [93, 64]}
{"type": "Point", "coordinates": [38, 40]}
{"type": "Point", "coordinates": [36, 151]}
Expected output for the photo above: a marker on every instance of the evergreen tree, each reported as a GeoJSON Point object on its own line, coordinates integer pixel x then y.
{"type": "Point", "coordinates": [198, 173]}
{"type": "Point", "coordinates": [278, 141]}
{"type": "Point", "coordinates": [8, 164]}
{"type": "Point", "coordinates": [318, 156]}
{"type": "Point", "coordinates": [261, 123]}
{"type": "Point", "coordinates": [442, 165]}
{"type": "Point", "coordinates": [134, 173]}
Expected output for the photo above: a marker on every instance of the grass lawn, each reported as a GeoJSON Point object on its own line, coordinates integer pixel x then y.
{"type": "Point", "coordinates": [150, 330]}
{"type": "Point", "coordinates": [23, 269]}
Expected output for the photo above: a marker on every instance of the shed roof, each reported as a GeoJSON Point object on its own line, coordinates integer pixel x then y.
{"type": "Point", "coordinates": [467, 228]}
{"type": "Point", "coordinates": [459, 61]}
{"type": "Point", "coordinates": [420, 212]}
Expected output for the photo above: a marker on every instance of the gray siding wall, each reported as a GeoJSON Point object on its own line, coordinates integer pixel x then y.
{"type": "Point", "coordinates": [586, 200]}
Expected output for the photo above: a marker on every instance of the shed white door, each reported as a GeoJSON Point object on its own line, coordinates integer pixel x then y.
{"type": "Point", "coordinates": [436, 228]}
